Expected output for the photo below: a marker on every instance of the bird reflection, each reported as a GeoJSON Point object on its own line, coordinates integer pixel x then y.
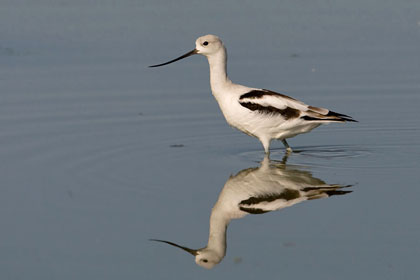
{"type": "Point", "coordinates": [270, 187]}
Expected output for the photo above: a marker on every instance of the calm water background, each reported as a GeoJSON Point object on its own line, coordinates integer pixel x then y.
{"type": "Point", "coordinates": [99, 153]}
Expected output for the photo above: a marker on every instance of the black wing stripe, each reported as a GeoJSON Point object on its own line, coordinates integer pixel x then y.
{"type": "Point", "coordinates": [339, 119]}
{"type": "Point", "coordinates": [287, 113]}
{"type": "Point", "coordinates": [253, 210]}
{"type": "Point", "coordinates": [287, 194]}
{"type": "Point", "coordinates": [335, 114]}
{"type": "Point", "coordinates": [255, 94]}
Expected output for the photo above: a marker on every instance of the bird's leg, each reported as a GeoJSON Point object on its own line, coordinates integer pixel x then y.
{"type": "Point", "coordinates": [266, 145]}
{"type": "Point", "coordinates": [265, 163]}
{"type": "Point", "coordinates": [285, 157]}
{"type": "Point", "coordinates": [286, 145]}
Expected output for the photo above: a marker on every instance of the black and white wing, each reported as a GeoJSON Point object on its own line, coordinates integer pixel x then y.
{"type": "Point", "coordinates": [269, 102]}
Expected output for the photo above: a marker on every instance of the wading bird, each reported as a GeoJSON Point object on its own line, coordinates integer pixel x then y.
{"type": "Point", "coordinates": [261, 113]}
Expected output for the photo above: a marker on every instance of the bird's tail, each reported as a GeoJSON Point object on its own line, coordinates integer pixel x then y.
{"type": "Point", "coordinates": [323, 192]}
{"type": "Point", "coordinates": [330, 116]}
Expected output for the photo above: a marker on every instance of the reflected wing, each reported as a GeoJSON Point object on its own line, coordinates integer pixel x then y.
{"type": "Point", "coordinates": [288, 197]}
{"type": "Point", "coordinates": [270, 201]}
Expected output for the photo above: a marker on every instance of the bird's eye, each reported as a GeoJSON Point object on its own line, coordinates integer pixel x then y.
{"type": "Point", "coordinates": [204, 260]}
{"type": "Point", "coordinates": [205, 43]}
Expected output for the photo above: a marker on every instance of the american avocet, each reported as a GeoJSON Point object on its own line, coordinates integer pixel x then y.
{"type": "Point", "coordinates": [270, 187]}
{"type": "Point", "coordinates": [261, 113]}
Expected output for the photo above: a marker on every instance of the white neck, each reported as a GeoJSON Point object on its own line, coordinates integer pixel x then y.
{"type": "Point", "coordinates": [217, 232]}
{"type": "Point", "coordinates": [218, 75]}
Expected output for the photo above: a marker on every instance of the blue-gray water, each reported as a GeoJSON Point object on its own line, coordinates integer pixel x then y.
{"type": "Point", "coordinates": [100, 153]}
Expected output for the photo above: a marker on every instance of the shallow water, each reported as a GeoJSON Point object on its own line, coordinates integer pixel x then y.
{"type": "Point", "coordinates": [100, 154]}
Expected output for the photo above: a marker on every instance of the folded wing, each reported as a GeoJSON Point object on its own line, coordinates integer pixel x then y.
{"type": "Point", "coordinates": [269, 102]}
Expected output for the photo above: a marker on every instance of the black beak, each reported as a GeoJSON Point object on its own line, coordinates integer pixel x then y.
{"type": "Point", "coordinates": [194, 51]}
{"type": "Point", "coordinates": [191, 251]}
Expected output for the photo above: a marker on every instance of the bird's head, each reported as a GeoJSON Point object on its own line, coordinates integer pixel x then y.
{"type": "Point", "coordinates": [203, 257]}
{"type": "Point", "coordinates": [206, 45]}
{"type": "Point", "coordinates": [207, 258]}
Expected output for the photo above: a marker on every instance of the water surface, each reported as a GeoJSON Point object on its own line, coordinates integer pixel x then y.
{"type": "Point", "coordinates": [99, 153]}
